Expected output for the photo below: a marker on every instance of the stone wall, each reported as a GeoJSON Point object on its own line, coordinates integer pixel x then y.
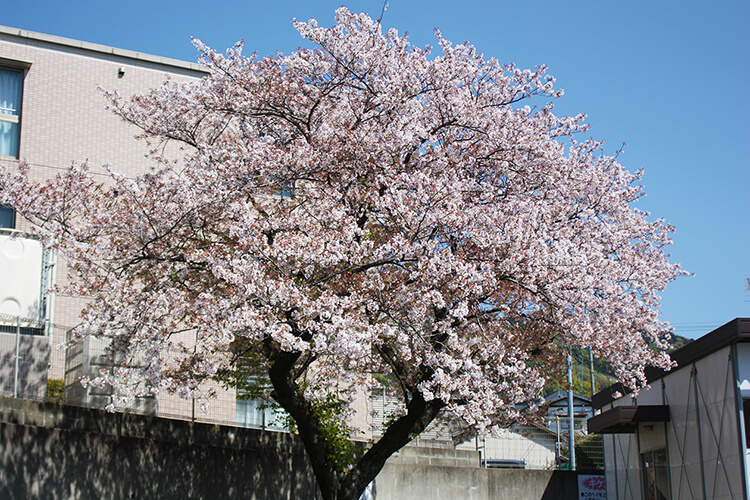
{"type": "Point", "coordinates": [399, 481]}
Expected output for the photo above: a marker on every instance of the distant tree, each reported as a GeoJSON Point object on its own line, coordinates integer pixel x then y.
{"type": "Point", "coordinates": [360, 209]}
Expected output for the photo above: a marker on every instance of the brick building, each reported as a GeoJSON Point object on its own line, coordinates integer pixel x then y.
{"type": "Point", "coordinates": [52, 113]}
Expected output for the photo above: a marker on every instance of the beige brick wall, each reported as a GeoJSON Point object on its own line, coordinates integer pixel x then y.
{"type": "Point", "coordinates": [64, 120]}
{"type": "Point", "coordinates": [63, 115]}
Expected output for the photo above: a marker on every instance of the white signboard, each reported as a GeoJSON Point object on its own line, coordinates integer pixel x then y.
{"type": "Point", "coordinates": [592, 487]}
{"type": "Point", "coordinates": [20, 278]}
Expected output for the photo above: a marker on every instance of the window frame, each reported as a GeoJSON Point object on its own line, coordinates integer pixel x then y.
{"type": "Point", "coordinates": [5, 209]}
{"type": "Point", "coordinates": [21, 67]}
{"type": "Point", "coordinates": [249, 408]}
{"type": "Point", "coordinates": [655, 474]}
{"type": "Point", "coordinates": [746, 418]}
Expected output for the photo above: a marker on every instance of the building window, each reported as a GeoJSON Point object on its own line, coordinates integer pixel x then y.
{"type": "Point", "coordinates": [287, 190]}
{"type": "Point", "coordinates": [11, 90]}
{"type": "Point", "coordinates": [7, 217]}
{"type": "Point", "coordinates": [655, 470]}
{"type": "Point", "coordinates": [256, 414]}
{"type": "Point", "coordinates": [256, 409]}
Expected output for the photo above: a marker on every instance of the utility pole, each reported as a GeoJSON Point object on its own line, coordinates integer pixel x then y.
{"type": "Point", "coordinates": [591, 370]}
{"type": "Point", "coordinates": [571, 418]}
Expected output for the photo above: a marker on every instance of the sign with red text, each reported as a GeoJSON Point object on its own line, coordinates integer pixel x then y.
{"type": "Point", "coordinates": [592, 487]}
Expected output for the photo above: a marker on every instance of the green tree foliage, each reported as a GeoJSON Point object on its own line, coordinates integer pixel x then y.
{"type": "Point", "coordinates": [603, 373]}
{"type": "Point", "coordinates": [55, 390]}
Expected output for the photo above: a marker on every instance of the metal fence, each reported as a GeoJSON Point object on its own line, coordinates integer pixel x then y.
{"type": "Point", "coordinates": [24, 357]}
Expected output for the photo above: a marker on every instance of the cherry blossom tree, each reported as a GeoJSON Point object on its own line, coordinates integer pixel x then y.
{"type": "Point", "coordinates": [361, 213]}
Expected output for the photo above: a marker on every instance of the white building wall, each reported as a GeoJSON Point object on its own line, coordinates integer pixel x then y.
{"type": "Point", "coordinates": [622, 462]}
{"type": "Point", "coordinates": [703, 439]}
{"type": "Point", "coordinates": [717, 413]}
{"type": "Point", "coordinates": [21, 279]}
{"type": "Point", "coordinates": [743, 367]}
{"type": "Point", "coordinates": [743, 381]}
{"type": "Point", "coordinates": [683, 444]}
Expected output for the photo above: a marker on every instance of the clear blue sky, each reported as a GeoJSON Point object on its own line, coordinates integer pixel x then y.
{"type": "Point", "coordinates": [669, 78]}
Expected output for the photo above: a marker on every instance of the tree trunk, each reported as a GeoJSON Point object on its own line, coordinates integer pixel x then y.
{"type": "Point", "coordinates": [289, 395]}
{"type": "Point", "coordinates": [418, 416]}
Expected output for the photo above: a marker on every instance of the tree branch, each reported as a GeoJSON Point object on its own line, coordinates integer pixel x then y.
{"type": "Point", "coordinates": [419, 414]}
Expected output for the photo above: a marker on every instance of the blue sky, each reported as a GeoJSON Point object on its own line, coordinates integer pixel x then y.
{"type": "Point", "coordinates": [669, 78]}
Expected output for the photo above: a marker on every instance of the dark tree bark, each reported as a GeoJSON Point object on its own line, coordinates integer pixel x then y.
{"type": "Point", "coordinates": [333, 484]}
{"type": "Point", "coordinates": [419, 414]}
{"type": "Point", "coordinates": [289, 395]}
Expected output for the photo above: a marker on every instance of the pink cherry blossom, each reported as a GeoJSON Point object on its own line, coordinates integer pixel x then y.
{"type": "Point", "coordinates": [444, 232]}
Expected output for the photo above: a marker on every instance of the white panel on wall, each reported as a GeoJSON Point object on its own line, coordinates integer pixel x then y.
{"type": "Point", "coordinates": [720, 435]}
{"type": "Point", "coordinates": [650, 395]}
{"type": "Point", "coordinates": [21, 264]}
{"type": "Point", "coordinates": [628, 468]}
{"type": "Point", "coordinates": [683, 436]}
{"type": "Point", "coordinates": [610, 470]}
{"type": "Point", "coordinates": [678, 392]}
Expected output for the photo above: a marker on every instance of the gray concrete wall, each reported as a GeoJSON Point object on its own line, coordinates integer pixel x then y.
{"type": "Point", "coordinates": [444, 457]}
{"type": "Point", "coordinates": [400, 481]}
{"type": "Point", "coordinates": [65, 452]}
{"type": "Point", "coordinates": [439, 473]}
{"type": "Point", "coordinates": [34, 354]}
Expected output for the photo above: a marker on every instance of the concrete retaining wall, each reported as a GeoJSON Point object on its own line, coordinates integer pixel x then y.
{"type": "Point", "coordinates": [66, 452]}
{"type": "Point", "coordinates": [417, 482]}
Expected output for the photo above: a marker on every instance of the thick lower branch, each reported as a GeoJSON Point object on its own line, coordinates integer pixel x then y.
{"type": "Point", "coordinates": [419, 414]}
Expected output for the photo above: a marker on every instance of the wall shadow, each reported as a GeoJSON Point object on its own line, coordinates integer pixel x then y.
{"type": "Point", "coordinates": [56, 451]}
{"type": "Point", "coordinates": [33, 363]}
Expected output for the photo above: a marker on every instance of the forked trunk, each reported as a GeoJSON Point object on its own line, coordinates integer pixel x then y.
{"type": "Point", "coordinates": [419, 414]}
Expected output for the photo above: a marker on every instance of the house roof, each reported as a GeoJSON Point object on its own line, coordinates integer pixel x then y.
{"type": "Point", "coordinates": [562, 394]}
{"type": "Point", "coordinates": [737, 330]}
